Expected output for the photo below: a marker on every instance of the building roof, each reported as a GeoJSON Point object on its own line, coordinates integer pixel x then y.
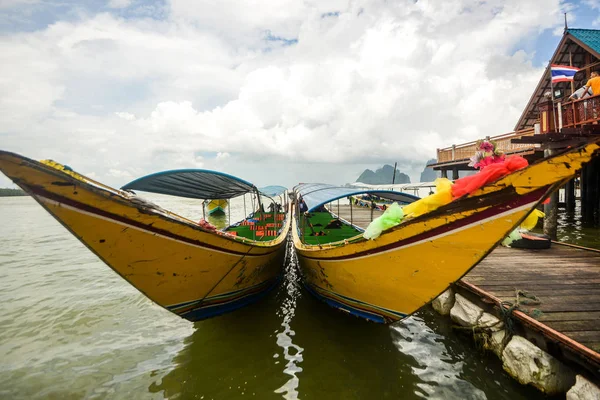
{"type": "Point", "coordinates": [579, 48]}
{"type": "Point", "coordinates": [590, 37]}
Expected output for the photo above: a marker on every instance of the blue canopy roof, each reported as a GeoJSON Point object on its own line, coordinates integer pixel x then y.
{"type": "Point", "coordinates": [272, 191]}
{"type": "Point", "coordinates": [318, 194]}
{"type": "Point", "coordinates": [193, 183]}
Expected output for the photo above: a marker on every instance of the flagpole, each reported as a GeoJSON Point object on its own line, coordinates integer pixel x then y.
{"type": "Point", "coordinates": [552, 94]}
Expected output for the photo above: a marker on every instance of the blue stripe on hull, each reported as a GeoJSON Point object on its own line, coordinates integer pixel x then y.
{"type": "Point", "coordinates": [344, 307]}
{"type": "Point", "coordinates": [201, 313]}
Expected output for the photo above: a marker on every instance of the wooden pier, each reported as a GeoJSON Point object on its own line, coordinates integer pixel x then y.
{"type": "Point", "coordinates": [558, 290]}
{"type": "Point", "coordinates": [565, 281]}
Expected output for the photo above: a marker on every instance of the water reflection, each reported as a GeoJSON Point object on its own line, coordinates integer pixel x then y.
{"type": "Point", "coordinates": [228, 357]}
{"type": "Point", "coordinates": [240, 353]}
{"type": "Point", "coordinates": [291, 352]}
{"type": "Point", "coordinates": [292, 346]}
{"type": "Point", "coordinates": [71, 328]}
{"type": "Point", "coordinates": [220, 221]}
{"type": "Point", "coordinates": [439, 371]}
{"type": "Point", "coordinates": [572, 230]}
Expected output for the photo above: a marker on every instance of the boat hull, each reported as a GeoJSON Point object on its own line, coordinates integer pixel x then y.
{"type": "Point", "coordinates": [387, 279]}
{"type": "Point", "coordinates": [217, 207]}
{"type": "Point", "coordinates": [189, 271]}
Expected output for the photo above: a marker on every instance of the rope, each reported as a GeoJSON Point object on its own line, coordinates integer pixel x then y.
{"type": "Point", "coordinates": [506, 314]}
{"type": "Point", "coordinates": [223, 277]}
{"type": "Point", "coordinates": [529, 299]}
{"type": "Point", "coordinates": [506, 309]}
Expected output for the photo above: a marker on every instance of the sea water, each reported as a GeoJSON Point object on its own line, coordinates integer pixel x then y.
{"type": "Point", "coordinates": [71, 328]}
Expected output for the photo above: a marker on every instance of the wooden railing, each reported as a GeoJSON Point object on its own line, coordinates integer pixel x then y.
{"type": "Point", "coordinates": [581, 112]}
{"type": "Point", "coordinates": [503, 142]}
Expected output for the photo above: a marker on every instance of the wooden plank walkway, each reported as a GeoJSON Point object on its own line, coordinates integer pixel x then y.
{"type": "Point", "coordinates": [565, 280]}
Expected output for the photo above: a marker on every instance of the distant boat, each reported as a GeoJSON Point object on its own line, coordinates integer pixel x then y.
{"type": "Point", "coordinates": [410, 264]}
{"type": "Point", "coordinates": [216, 207]}
{"type": "Point", "coordinates": [189, 268]}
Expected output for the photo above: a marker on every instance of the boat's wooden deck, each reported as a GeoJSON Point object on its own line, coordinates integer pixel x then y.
{"type": "Point", "coordinates": [360, 216]}
{"type": "Point", "coordinates": [565, 279]}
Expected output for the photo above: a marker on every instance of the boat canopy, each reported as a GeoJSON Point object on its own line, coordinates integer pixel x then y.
{"type": "Point", "coordinates": [198, 184]}
{"type": "Point", "coordinates": [272, 191]}
{"type": "Point", "coordinates": [317, 194]}
{"type": "Point", "coordinates": [396, 187]}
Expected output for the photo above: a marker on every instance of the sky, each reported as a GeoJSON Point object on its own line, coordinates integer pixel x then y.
{"type": "Point", "coordinates": [273, 91]}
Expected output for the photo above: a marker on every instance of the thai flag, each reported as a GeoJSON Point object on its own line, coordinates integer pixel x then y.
{"type": "Point", "coordinates": [562, 73]}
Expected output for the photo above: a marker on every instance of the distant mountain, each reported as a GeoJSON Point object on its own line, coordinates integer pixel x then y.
{"type": "Point", "coordinates": [383, 175]}
{"type": "Point", "coordinates": [5, 192]}
{"type": "Point", "coordinates": [428, 174]}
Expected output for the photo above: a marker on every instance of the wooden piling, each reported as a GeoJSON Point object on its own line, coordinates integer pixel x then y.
{"type": "Point", "coordinates": [584, 188]}
{"type": "Point", "coordinates": [594, 178]}
{"type": "Point", "coordinates": [570, 196]}
{"type": "Point", "coordinates": [454, 173]}
{"type": "Point", "coordinates": [590, 194]}
{"type": "Point", "coordinates": [551, 210]}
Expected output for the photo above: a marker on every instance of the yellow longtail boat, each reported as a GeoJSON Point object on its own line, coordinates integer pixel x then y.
{"type": "Point", "coordinates": [189, 268]}
{"type": "Point", "coordinates": [410, 264]}
{"type": "Point", "coordinates": [216, 206]}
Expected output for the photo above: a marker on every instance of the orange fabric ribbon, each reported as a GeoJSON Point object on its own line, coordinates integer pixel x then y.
{"type": "Point", "coordinates": [490, 173]}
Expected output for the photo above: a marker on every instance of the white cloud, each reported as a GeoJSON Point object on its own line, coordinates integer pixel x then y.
{"type": "Point", "coordinates": [366, 83]}
{"type": "Point", "coordinates": [119, 3]}
{"type": "Point", "coordinates": [125, 115]}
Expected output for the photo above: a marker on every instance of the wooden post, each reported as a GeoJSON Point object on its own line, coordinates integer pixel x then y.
{"type": "Point", "coordinates": [593, 192]}
{"type": "Point", "coordinates": [551, 209]}
{"type": "Point", "coordinates": [444, 173]}
{"type": "Point", "coordinates": [584, 188]}
{"type": "Point", "coordinates": [547, 117]}
{"type": "Point", "coordinates": [570, 196]}
{"type": "Point", "coordinates": [453, 152]}
{"type": "Point", "coordinates": [560, 121]}
{"type": "Point", "coordinates": [597, 205]}
{"type": "Point", "coordinates": [454, 173]}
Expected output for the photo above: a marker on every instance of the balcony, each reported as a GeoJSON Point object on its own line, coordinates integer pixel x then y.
{"type": "Point", "coordinates": [581, 112]}
{"type": "Point", "coordinates": [460, 154]}
{"type": "Point", "coordinates": [578, 117]}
